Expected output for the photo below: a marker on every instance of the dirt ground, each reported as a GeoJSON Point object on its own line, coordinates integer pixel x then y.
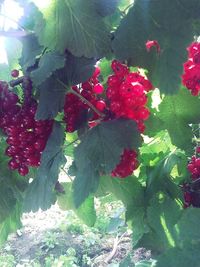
{"type": "Point", "coordinates": [42, 235]}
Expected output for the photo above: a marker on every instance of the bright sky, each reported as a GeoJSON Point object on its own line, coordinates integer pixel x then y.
{"type": "Point", "coordinates": [10, 13]}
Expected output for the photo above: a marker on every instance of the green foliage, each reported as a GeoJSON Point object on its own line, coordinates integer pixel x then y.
{"type": "Point", "coordinates": [52, 91]}
{"type": "Point", "coordinates": [60, 46]}
{"type": "Point", "coordinates": [99, 152]}
{"type": "Point", "coordinates": [41, 193]}
{"type": "Point", "coordinates": [48, 63]}
{"type": "Point", "coordinates": [85, 212]}
{"type": "Point", "coordinates": [86, 34]}
{"type": "Point", "coordinates": [174, 113]}
{"type": "Point", "coordinates": [161, 21]}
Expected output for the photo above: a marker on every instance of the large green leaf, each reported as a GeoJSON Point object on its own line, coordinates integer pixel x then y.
{"type": "Point", "coordinates": [49, 63]}
{"type": "Point", "coordinates": [86, 212]}
{"type": "Point", "coordinates": [131, 193]}
{"type": "Point", "coordinates": [159, 178]}
{"type": "Point", "coordinates": [177, 257]}
{"type": "Point", "coordinates": [177, 112]}
{"type": "Point", "coordinates": [128, 190]}
{"type": "Point", "coordinates": [11, 186]}
{"type": "Point", "coordinates": [40, 193]}
{"type": "Point", "coordinates": [106, 8]}
{"type": "Point", "coordinates": [11, 223]}
{"type": "Point", "coordinates": [30, 50]}
{"type": "Point", "coordinates": [161, 21]}
{"type": "Point", "coordinates": [52, 92]}
{"type": "Point", "coordinates": [76, 26]}
{"type": "Point", "coordinates": [188, 226]}
{"type": "Point", "coordinates": [51, 99]}
{"type": "Point", "coordinates": [99, 152]}
{"type": "Point", "coordinates": [162, 215]}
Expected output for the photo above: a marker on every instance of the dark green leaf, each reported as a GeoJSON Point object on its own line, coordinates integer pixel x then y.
{"type": "Point", "coordinates": [11, 223]}
{"type": "Point", "coordinates": [131, 193]}
{"type": "Point", "coordinates": [176, 115]}
{"type": "Point", "coordinates": [159, 178]}
{"type": "Point", "coordinates": [30, 49]}
{"type": "Point", "coordinates": [162, 215]}
{"type": "Point", "coordinates": [32, 17]}
{"type": "Point", "coordinates": [103, 144]}
{"type": "Point", "coordinates": [100, 151]}
{"type": "Point", "coordinates": [188, 225]}
{"type": "Point", "coordinates": [161, 21]}
{"type": "Point", "coordinates": [177, 257]}
{"type": "Point", "coordinates": [85, 183]}
{"type": "Point", "coordinates": [105, 7]}
{"type": "Point", "coordinates": [49, 63]}
{"type": "Point", "coordinates": [51, 99]}
{"type": "Point", "coordinates": [127, 262]}
{"type": "Point", "coordinates": [78, 28]}
{"type": "Point", "coordinates": [52, 92]}
{"type": "Point", "coordinates": [76, 70]}
{"type": "Point", "coordinates": [40, 193]}
{"type": "Point", "coordinates": [86, 212]}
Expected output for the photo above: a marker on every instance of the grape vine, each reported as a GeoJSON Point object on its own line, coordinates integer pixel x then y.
{"type": "Point", "coordinates": [113, 87]}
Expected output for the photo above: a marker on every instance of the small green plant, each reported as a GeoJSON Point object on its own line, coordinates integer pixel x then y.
{"type": "Point", "coordinates": [67, 260]}
{"type": "Point", "coordinates": [75, 228]}
{"type": "Point", "coordinates": [7, 260]}
{"type": "Point", "coordinates": [50, 240]}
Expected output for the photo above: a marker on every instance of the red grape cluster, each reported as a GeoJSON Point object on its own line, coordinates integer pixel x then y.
{"type": "Point", "coordinates": [126, 98]}
{"type": "Point", "coordinates": [75, 109]}
{"type": "Point", "coordinates": [26, 137]}
{"type": "Point", "coordinates": [191, 75]}
{"type": "Point", "coordinates": [192, 189]}
{"type": "Point", "coordinates": [126, 93]}
{"type": "Point", "coordinates": [194, 167]}
{"type": "Point", "coordinates": [127, 165]}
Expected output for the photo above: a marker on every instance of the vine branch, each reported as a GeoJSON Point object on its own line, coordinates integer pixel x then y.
{"type": "Point", "coordinates": [83, 99]}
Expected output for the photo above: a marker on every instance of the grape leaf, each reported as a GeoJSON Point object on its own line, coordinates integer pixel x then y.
{"type": "Point", "coordinates": [99, 151]}
{"type": "Point", "coordinates": [78, 28]}
{"type": "Point", "coordinates": [40, 193]}
{"type": "Point", "coordinates": [176, 115]}
{"type": "Point", "coordinates": [11, 223]}
{"type": "Point", "coordinates": [162, 215]}
{"type": "Point", "coordinates": [30, 49]}
{"type": "Point", "coordinates": [52, 92]}
{"type": "Point", "coordinates": [105, 7]}
{"type": "Point", "coordinates": [51, 99]}
{"type": "Point", "coordinates": [188, 226]}
{"type": "Point", "coordinates": [161, 21]}
{"type": "Point", "coordinates": [32, 16]}
{"type": "Point", "coordinates": [128, 190]}
{"type": "Point", "coordinates": [127, 262]}
{"type": "Point", "coordinates": [131, 193]}
{"type": "Point", "coordinates": [48, 63]}
{"type": "Point", "coordinates": [159, 177]}
{"type": "Point", "coordinates": [180, 257]}
{"type": "Point", "coordinates": [86, 212]}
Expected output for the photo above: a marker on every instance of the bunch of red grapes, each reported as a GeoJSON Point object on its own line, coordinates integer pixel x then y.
{"type": "Point", "coordinates": [125, 97]}
{"type": "Point", "coordinates": [191, 76]}
{"type": "Point", "coordinates": [192, 189]}
{"type": "Point", "coordinates": [75, 108]}
{"type": "Point", "coordinates": [26, 137]}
